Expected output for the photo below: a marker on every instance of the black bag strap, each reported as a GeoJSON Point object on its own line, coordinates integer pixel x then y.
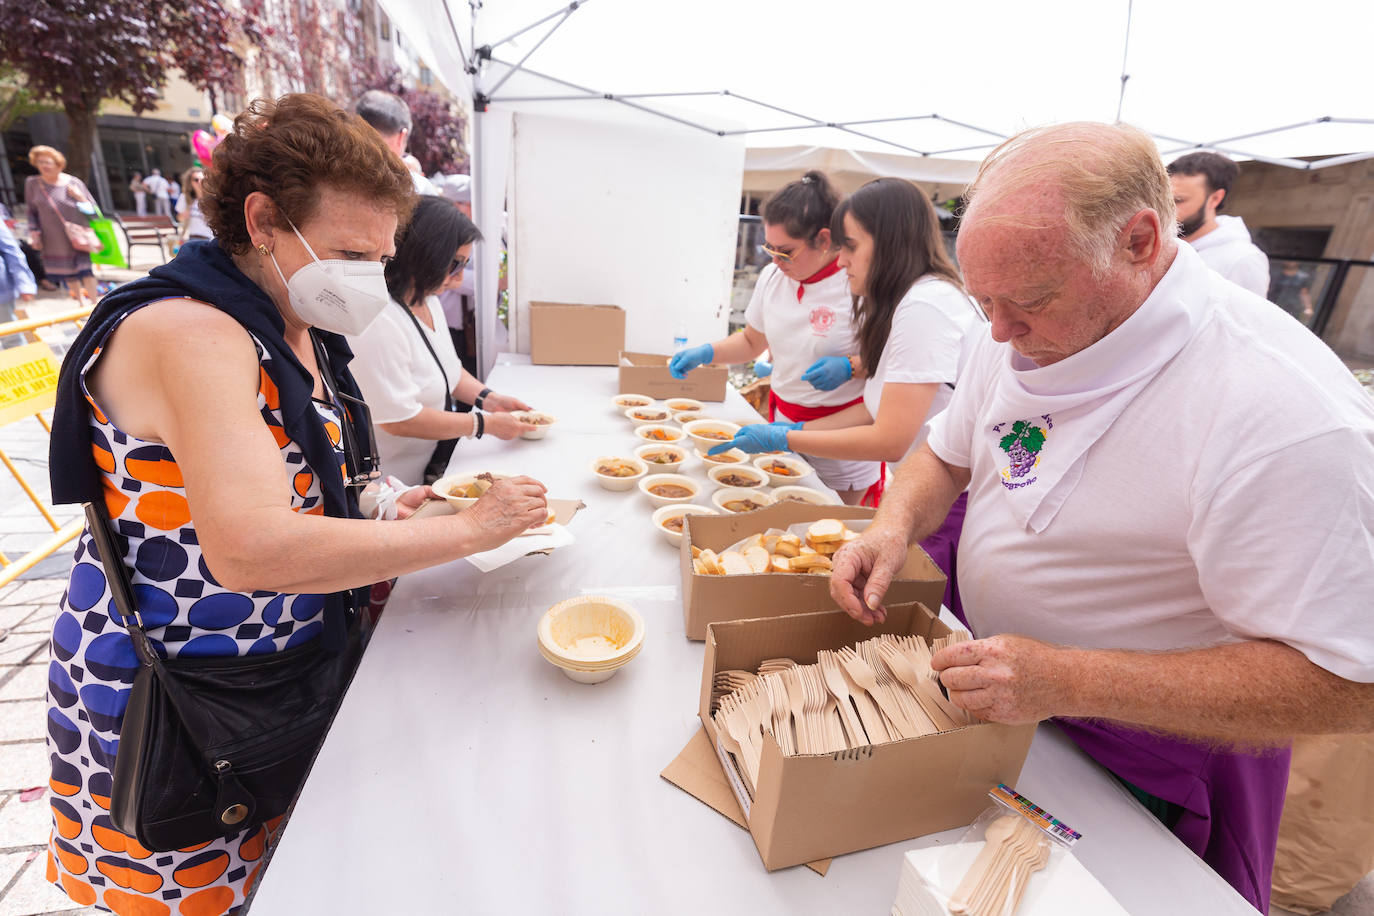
{"type": "Point", "coordinates": [448, 389]}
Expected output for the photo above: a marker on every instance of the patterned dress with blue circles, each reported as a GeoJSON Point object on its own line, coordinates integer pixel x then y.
{"type": "Point", "coordinates": [187, 613]}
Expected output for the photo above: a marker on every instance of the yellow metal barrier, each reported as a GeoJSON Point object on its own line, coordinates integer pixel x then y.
{"type": "Point", "coordinates": [28, 386]}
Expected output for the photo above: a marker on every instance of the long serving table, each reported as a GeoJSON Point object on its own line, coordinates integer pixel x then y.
{"type": "Point", "coordinates": [465, 774]}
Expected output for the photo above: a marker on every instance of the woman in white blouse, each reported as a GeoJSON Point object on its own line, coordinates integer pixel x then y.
{"type": "Point", "coordinates": [405, 363]}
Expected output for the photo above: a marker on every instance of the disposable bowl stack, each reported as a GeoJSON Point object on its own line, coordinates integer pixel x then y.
{"type": "Point", "coordinates": [590, 637]}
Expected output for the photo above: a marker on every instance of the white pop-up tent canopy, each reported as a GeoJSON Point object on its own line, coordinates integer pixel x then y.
{"type": "Point", "coordinates": [617, 127]}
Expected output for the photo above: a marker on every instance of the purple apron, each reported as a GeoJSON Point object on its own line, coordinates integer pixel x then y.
{"type": "Point", "coordinates": [943, 548]}
{"type": "Point", "coordinates": [1231, 801]}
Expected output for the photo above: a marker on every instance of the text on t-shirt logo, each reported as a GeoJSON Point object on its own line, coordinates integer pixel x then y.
{"type": "Point", "coordinates": [822, 320]}
{"type": "Point", "coordinates": [1022, 444]}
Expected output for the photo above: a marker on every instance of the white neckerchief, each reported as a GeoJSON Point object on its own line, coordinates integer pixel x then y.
{"type": "Point", "coordinates": [1044, 420]}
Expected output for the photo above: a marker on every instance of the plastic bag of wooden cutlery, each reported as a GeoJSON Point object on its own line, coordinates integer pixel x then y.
{"type": "Point", "coordinates": [1003, 859]}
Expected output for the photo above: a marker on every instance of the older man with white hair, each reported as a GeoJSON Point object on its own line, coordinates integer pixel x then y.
{"type": "Point", "coordinates": [1169, 544]}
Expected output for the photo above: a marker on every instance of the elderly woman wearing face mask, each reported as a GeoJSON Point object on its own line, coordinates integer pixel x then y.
{"type": "Point", "coordinates": [209, 408]}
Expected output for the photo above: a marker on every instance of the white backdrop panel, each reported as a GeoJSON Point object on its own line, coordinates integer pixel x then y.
{"type": "Point", "coordinates": [626, 210]}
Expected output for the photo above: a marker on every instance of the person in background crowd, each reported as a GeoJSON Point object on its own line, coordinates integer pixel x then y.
{"type": "Point", "coordinates": [406, 365]}
{"type": "Point", "coordinates": [1171, 495]}
{"type": "Point", "coordinates": [390, 117]}
{"type": "Point", "coordinates": [195, 404]}
{"type": "Point", "coordinates": [161, 190]}
{"type": "Point", "coordinates": [52, 198]}
{"type": "Point", "coordinates": [189, 216]}
{"type": "Point", "coordinates": [458, 302]}
{"type": "Point", "coordinates": [911, 316]}
{"type": "Point", "coordinates": [1291, 290]}
{"type": "Point", "coordinates": [15, 282]}
{"type": "Point", "coordinates": [140, 192]}
{"type": "Point", "coordinates": [31, 255]}
{"type": "Point", "coordinates": [801, 312]}
{"type": "Point", "coordinates": [1201, 184]}
{"type": "Point", "coordinates": [174, 194]}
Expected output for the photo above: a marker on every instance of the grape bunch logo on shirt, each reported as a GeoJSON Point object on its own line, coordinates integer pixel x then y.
{"type": "Point", "coordinates": [822, 320]}
{"type": "Point", "coordinates": [1022, 445]}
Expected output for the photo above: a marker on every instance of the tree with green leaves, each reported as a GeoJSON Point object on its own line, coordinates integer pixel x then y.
{"type": "Point", "coordinates": [77, 53]}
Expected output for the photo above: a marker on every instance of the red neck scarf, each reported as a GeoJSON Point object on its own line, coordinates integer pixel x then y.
{"type": "Point", "coordinates": [828, 270]}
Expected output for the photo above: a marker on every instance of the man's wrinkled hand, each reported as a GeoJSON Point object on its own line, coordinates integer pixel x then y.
{"type": "Point", "coordinates": [1010, 679]}
{"type": "Point", "coordinates": [863, 569]}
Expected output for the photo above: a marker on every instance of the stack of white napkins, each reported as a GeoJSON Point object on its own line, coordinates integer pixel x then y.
{"type": "Point", "coordinates": [547, 538]}
{"type": "Point", "coordinates": [1063, 886]}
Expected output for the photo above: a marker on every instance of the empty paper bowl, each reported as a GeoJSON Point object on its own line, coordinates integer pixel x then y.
{"type": "Point", "coordinates": [686, 404]}
{"type": "Point", "coordinates": [642, 416]}
{"type": "Point", "coordinates": [591, 637]}
{"type": "Point", "coordinates": [542, 421]}
{"type": "Point", "coordinates": [615, 473]}
{"type": "Point", "coordinates": [663, 459]}
{"type": "Point", "coordinates": [782, 470]}
{"type": "Point", "coordinates": [658, 432]}
{"type": "Point", "coordinates": [623, 402]}
{"type": "Point", "coordinates": [707, 434]}
{"type": "Point", "coordinates": [805, 495]}
{"type": "Point", "coordinates": [686, 416]}
{"type": "Point", "coordinates": [737, 475]}
{"type": "Point", "coordinates": [739, 499]}
{"type": "Point", "coordinates": [456, 487]}
{"type": "Point", "coordinates": [667, 489]}
{"type": "Point", "coordinates": [668, 519]}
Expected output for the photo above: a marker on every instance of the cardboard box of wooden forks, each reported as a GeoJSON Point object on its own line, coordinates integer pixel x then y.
{"type": "Point", "coordinates": [712, 599]}
{"type": "Point", "coordinates": [812, 806]}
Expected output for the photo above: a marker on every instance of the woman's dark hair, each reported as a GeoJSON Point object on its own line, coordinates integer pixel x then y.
{"type": "Point", "coordinates": [907, 245]}
{"type": "Point", "coordinates": [288, 149]}
{"type": "Point", "coordinates": [802, 207]}
{"type": "Point", "coordinates": [437, 229]}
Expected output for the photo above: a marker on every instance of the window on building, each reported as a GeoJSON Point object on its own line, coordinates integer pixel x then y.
{"type": "Point", "coordinates": [426, 76]}
{"type": "Point", "coordinates": [385, 26]}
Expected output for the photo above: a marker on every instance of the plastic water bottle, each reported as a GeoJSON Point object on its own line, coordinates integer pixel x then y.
{"type": "Point", "coordinates": [680, 338]}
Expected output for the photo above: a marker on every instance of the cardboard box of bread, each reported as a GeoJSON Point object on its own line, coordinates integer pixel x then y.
{"type": "Point", "coordinates": [815, 780]}
{"type": "Point", "coordinates": [711, 595]}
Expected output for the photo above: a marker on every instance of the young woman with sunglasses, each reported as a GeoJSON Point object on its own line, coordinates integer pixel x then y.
{"type": "Point", "coordinates": [405, 363]}
{"type": "Point", "coordinates": [801, 312]}
{"type": "Point", "coordinates": [911, 316]}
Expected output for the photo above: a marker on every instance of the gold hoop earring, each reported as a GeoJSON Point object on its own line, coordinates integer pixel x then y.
{"type": "Point", "coordinates": [262, 249]}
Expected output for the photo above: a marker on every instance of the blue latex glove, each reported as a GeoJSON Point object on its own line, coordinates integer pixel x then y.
{"type": "Point", "coordinates": [762, 368]}
{"type": "Point", "coordinates": [759, 437]}
{"type": "Point", "coordinates": [829, 372]}
{"type": "Point", "coordinates": [685, 361]}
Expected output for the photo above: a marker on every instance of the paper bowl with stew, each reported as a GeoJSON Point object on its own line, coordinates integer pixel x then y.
{"type": "Point", "coordinates": [643, 416]}
{"type": "Point", "coordinates": [617, 473]}
{"type": "Point", "coordinates": [707, 434]}
{"type": "Point", "coordinates": [688, 404]}
{"type": "Point", "coordinates": [623, 402]}
{"type": "Point", "coordinates": [740, 499]}
{"type": "Point", "coordinates": [737, 475]}
{"type": "Point", "coordinates": [464, 489]}
{"type": "Point", "coordinates": [732, 456]}
{"type": "Point", "coordinates": [590, 637]}
{"type": "Point", "coordinates": [541, 421]}
{"type": "Point", "coordinates": [805, 495]}
{"type": "Point", "coordinates": [669, 519]}
{"type": "Point", "coordinates": [659, 432]}
{"type": "Point", "coordinates": [663, 459]}
{"type": "Point", "coordinates": [782, 470]}
{"type": "Point", "coordinates": [667, 489]}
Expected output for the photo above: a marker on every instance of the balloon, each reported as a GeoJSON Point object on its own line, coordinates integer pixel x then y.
{"type": "Point", "coordinates": [222, 124]}
{"type": "Point", "coordinates": [204, 143]}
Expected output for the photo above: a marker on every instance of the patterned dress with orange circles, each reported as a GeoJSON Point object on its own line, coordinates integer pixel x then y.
{"type": "Point", "coordinates": [187, 613]}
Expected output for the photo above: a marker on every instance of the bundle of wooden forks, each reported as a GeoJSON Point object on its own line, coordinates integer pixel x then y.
{"type": "Point", "coordinates": [877, 691]}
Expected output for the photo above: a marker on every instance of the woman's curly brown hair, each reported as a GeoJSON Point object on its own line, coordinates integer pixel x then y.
{"type": "Point", "coordinates": [288, 149]}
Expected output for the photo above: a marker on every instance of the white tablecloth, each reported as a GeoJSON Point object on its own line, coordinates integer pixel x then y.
{"type": "Point", "coordinates": [465, 774]}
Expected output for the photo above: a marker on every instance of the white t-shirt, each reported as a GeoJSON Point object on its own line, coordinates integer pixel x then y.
{"type": "Point", "coordinates": [1232, 498]}
{"type": "Point", "coordinates": [196, 227]}
{"type": "Point", "coordinates": [156, 185]}
{"type": "Point", "coordinates": [799, 333]}
{"type": "Point", "coordinates": [398, 377]}
{"type": "Point", "coordinates": [923, 346]}
{"type": "Point", "coordinates": [1227, 249]}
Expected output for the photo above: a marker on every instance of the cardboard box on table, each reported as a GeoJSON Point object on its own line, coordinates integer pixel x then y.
{"type": "Point", "coordinates": [709, 599]}
{"type": "Point", "coordinates": [647, 373]}
{"type": "Point", "coordinates": [808, 807]}
{"type": "Point", "coordinates": [576, 335]}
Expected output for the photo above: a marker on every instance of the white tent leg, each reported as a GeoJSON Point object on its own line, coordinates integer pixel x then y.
{"type": "Point", "coordinates": [491, 144]}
